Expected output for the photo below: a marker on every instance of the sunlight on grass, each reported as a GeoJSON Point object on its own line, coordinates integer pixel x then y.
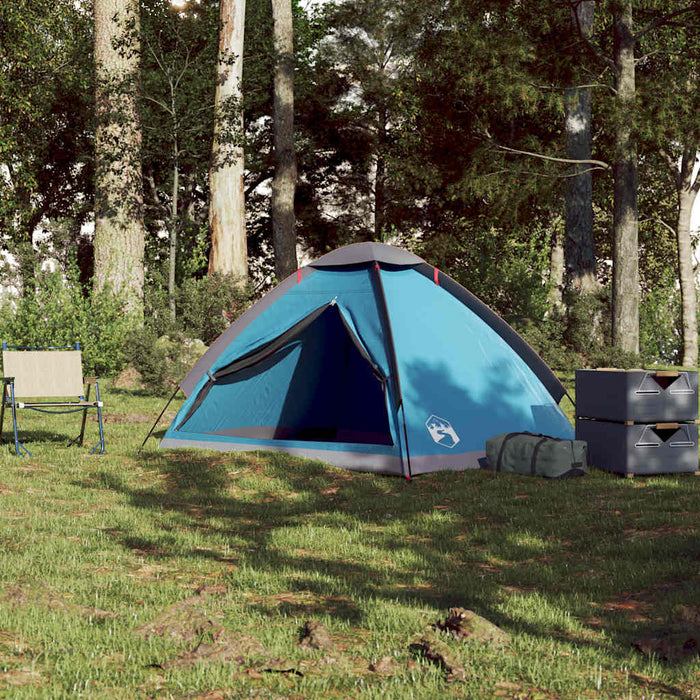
{"type": "Point", "coordinates": [94, 549]}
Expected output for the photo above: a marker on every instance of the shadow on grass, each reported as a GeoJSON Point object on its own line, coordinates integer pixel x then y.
{"type": "Point", "coordinates": [496, 544]}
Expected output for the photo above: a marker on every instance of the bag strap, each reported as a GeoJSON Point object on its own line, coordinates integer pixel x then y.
{"type": "Point", "coordinates": [535, 450]}
{"type": "Point", "coordinates": [499, 461]}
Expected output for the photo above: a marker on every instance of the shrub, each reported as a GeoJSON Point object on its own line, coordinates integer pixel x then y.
{"type": "Point", "coordinates": [207, 306]}
{"type": "Point", "coordinates": [57, 313]}
{"type": "Point", "coordinates": [162, 361]}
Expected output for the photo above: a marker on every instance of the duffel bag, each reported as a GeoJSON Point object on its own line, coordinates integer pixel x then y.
{"type": "Point", "coordinates": [537, 455]}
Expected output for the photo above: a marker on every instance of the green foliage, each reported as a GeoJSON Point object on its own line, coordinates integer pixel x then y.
{"type": "Point", "coordinates": [209, 305]}
{"type": "Point", "coordinates": [205, 307]}
{"type": "Point", "coordinates": [164, 350]}
{"type": "Point", "coordinates": [45, 117]}
{"type": "Point", "coordinates": [162, 361]}
{"type": "Point", "coordinates": [58, 312]}
{"type": "Point", "coordinates": [660, 335]}
{"type": "Point", "coordinates": [504, 269]}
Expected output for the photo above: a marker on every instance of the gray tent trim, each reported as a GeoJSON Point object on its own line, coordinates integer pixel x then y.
{"type": "Point", "coordinates": [359, 253]}
{"type": "Point", "coordinates": [426, 464]}
{"type": "Point", "coordinates": [349, 460]}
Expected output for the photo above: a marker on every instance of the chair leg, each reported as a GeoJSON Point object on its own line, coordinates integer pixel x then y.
{"type": "Point", "coordinates": [18, 444]}
{"type": "Point", "coordinates": [79, 440]}
{"type": "Point", "coordinates": [101, 443]}
{"type": "Point", "coordinates": [2, 410]}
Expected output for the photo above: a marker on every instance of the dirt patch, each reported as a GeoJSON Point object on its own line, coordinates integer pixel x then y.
{"type": "Point", "coordinates": [678, 640]}
{"type": "Point", "coordinates": [226, 647]}
{"type": "Point", "coordinates": [315, 635]}
{"type": "Point", "coordinates": [436, 651]}
{"type": "Point", "coordinates": [221, 646]}
{"type": "Point", "coordinates": [386, 666]}
{"type": "Point", "coordinates": [467, 626]}
{"type": "Point", "coordinates": [183, 620]}
{"type": "Point", "coordinates": [19, 677]}
{"type": "Point", "coordinates": [127, 418]}
{"type": "Point", "coordinates": [128, 378]}
{"type": "Point", "coordinates": [40, 594]}
{"type": "Point", "coordinates": [186, 619]}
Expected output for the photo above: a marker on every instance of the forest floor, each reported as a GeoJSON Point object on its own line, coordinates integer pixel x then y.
{"type": "Point", "coordinates": [212, 575]}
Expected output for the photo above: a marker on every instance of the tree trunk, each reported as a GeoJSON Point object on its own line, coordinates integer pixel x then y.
{"type": "Point", "coordinates": [229, 251]}
{"type": "Point", "coordinates": [687, 193]}
{"type": "Point", "coordinates": [284, 183]}
{"type": "Point", "coordinates": [556, 271]}
{"type": "Point", "coordinates": [625, 329]}
{"type": "Point", "coordinates": [172, 253]}
{"type": "Point", "coordinates": [119, 229]}
{"type": "Point", "coordinates": [579, 246]}
{"type": "Point", "coordinates": [380, 175]}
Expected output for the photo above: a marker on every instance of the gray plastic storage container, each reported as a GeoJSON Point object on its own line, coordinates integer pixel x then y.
{"type": "Point", "coordinates": [642, 448]}
{"type": "Point", "coordinates": [638, 396]}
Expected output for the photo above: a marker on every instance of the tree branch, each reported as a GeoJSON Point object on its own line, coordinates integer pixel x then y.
{"type": "Point", "coordinates": [660, 21]}
{"type": "Point", "coordinates": [598, 164]}
{"type": "Point", "coordinates": [655, 219]}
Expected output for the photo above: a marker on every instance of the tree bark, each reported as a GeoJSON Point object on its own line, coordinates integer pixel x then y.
{"type": "Point", "coordinates": [625, 312]}
{"type": "Point", "coordinates": [229, 250]}
{"type": "Point", "coordinates": [380, 175]}
{"type": "Point", "coordinates": [284, 182]}
{"type": "Point", "coordinates": [687, 193]}
{"type": "Point", "coordinates": [174, 222]}
{"type": "Point", "coordinates": [119, 228]}
{"type": "Point", "coordinates": [556, 271]}
{"type": "Point", "coordinates": [579, 247]}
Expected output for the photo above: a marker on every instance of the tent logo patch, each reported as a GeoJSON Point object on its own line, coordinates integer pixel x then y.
{"type": "Point", "coordinates": [441, 431]}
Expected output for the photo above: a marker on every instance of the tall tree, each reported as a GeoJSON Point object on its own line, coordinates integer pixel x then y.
{"type": "Point", "coordinates": [579, 245]}
{"type": "Point", "coordinates": [284, 182]}
{"type": "Point", "coordinates": [625, 327]}
{"type": "Point", "coordinates": [229, 251]}
{"type": "Point", "coordinates": [669, 70]}
{"type": "Point", "coordinates": [179, 60]}
{"type": "Point", "coordinates": [45, 123]}
{"type": "Point", "coordinates": [687, 180]}
{"type": "Point", "coordinates": [119, 230]}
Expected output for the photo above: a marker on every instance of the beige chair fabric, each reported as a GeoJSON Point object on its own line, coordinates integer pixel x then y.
{"type": "Point", "coordinates": [41, 373]}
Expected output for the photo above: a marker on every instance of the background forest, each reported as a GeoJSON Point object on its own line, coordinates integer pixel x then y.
{"type": "Point", "coordinates": [544, 154]}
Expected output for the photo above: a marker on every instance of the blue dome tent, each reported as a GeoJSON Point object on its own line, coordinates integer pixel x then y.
{"type": "Point", "coordinates": [369, 359]}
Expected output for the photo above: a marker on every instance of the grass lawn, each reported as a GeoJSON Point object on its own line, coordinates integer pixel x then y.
{"type": "Point", "coordinates": [191, 574]}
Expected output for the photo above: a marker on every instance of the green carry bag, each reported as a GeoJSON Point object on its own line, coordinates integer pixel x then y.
{"type": "Point", "coordinates": [537, 455]}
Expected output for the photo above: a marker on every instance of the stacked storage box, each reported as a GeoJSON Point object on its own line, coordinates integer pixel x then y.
{"type": "Point", "coordinates": [638, 421]}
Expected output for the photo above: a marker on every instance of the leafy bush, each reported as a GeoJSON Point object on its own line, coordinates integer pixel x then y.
{"type": "Point", "coordinates": [164, 350]}
{"type": "Point", "coordinates": [547, 338]}
{"type": "Point", "coordinates": [660, 336]}
{"type": "Point", "coordinates": [57, 313]}
{"type": "Point", "coordinates": [207, 306]}
{"type": "Point", "coordinates": [162, 361]}
{"type": "Point", "coordinates": [204, 307]}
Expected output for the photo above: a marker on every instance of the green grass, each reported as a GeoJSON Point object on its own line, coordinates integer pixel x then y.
{"type": "Point", "coordinates": [95, 547]}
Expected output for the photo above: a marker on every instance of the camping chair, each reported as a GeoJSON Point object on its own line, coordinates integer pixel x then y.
{"type": "Point", "coordinates": [47, 373]}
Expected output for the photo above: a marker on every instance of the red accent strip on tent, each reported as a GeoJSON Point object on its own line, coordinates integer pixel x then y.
{"type": "Point", "coordinates": [435, 276]}
{"type": "Point", "coordinates": [298, 275]}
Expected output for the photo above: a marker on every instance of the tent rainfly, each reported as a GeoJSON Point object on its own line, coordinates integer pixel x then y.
{"type": "Point", "coordinates": [369, 359]}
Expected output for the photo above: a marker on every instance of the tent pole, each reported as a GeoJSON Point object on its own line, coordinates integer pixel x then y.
{"type": "Point", "coordinates": [153, 427]}
{"type": "Point", "coordinates": [395, 364]}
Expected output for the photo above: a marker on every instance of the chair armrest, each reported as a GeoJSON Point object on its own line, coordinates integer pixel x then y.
{"type": "Point", "coordinates": [90, 380]}
{"type": "Point", "coordinates": [7, 379]}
